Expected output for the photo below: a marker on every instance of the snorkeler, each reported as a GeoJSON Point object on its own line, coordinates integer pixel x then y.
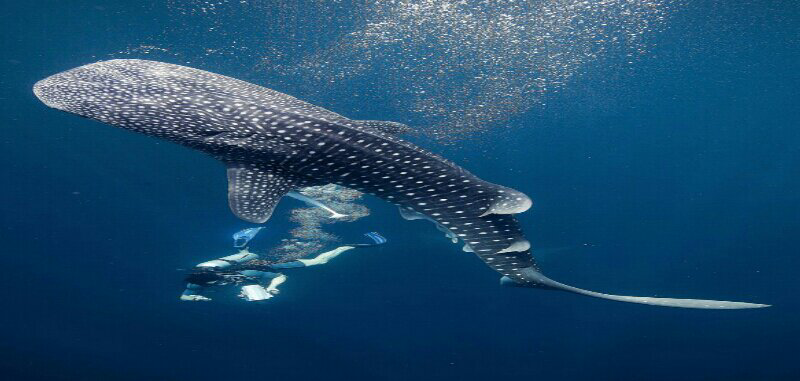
{"type": "Point", "coordinates": [252, 273]}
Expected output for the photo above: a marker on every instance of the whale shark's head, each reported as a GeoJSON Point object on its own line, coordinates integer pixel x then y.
{"type": "Point", "coordinates": [104, 90]}
{"type": "Point", "coordinates": [158, 99]}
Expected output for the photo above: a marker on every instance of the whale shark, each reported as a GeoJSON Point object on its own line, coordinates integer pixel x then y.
{"type": "Point", "coordinates": [273, 143]}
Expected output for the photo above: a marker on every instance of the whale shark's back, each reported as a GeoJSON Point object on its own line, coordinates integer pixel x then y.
{"type": "Point", "coordinates": [119, 81]}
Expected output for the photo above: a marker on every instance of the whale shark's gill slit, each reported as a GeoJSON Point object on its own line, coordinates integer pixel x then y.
{"type": "Point", "coordinates": [208, 134]}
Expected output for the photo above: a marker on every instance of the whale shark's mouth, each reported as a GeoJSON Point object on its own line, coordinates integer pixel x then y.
{"type": "Point", "coordinates": [43, 90]}
{"type": "Point", "coordinates": [67, 91]}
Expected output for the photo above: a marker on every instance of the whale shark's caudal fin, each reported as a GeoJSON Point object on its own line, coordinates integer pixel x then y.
{"type": "Point", "coordinates": [254, 191]}
{"type": "Point", "coordinates": [538, 280]}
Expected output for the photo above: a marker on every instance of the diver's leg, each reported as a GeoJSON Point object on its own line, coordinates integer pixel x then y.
{"type": "Point", "coordinates": [325, 257]}
{"type": "Point", "coordinates": [319, 259]}
{"type": "Point", "coordinates": [287, 265]}
{"type": "Point", "coordinates": [193, 293]}
{"type": "Point", "coordinates": [328, 255]}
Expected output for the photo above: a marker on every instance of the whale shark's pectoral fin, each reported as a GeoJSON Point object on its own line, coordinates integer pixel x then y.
{"type": "Point", "coordinates": [253, 191]}
{"type": "Point", "coordinates": [409, 214]}
{"type": "Point", "coordinates": [388, 128]}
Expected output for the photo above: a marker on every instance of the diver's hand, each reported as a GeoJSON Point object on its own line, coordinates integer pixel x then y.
{"type": "Point", "coordinates": [194, 298]}
{"type": "Point", "coordinates": [242, 295]}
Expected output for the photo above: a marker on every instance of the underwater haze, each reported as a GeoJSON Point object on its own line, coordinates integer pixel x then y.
{"type": "Point", "coordinates": [659, 141]}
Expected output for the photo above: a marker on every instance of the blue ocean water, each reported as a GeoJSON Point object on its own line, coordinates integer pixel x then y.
{"type": "Point", "coordinates": [679, 166]}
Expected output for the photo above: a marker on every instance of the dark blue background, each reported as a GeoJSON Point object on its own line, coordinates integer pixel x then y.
{"type": "Point", "coordinates": [681, 168]}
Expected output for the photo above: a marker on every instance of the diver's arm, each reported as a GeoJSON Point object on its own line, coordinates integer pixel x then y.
{"type": "Point", "coordinates": [255, 291]}
{"type": "Point", "coordinates": [275, 282]}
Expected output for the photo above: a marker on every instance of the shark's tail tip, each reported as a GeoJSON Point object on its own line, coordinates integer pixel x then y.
{"type": "Point", "coordinates": [756, 305]}
{"type": "Point", "coordinates": [695, 303]}
{"type": "Point", "coordinates": [533, 278]}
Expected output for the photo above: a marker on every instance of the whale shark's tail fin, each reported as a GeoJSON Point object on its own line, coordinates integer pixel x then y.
{"type": "Point", "coordinates": [538, 280]}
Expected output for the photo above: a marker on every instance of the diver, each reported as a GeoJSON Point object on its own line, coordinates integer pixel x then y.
{"type": "Point", "coordinates": [259, 278]}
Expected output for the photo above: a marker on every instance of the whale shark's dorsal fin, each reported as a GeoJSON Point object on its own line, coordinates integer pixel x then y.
{"type": "Point", "coordinates": [253, 191]}
{"type": "Point", "coordinates": [388, 128]}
